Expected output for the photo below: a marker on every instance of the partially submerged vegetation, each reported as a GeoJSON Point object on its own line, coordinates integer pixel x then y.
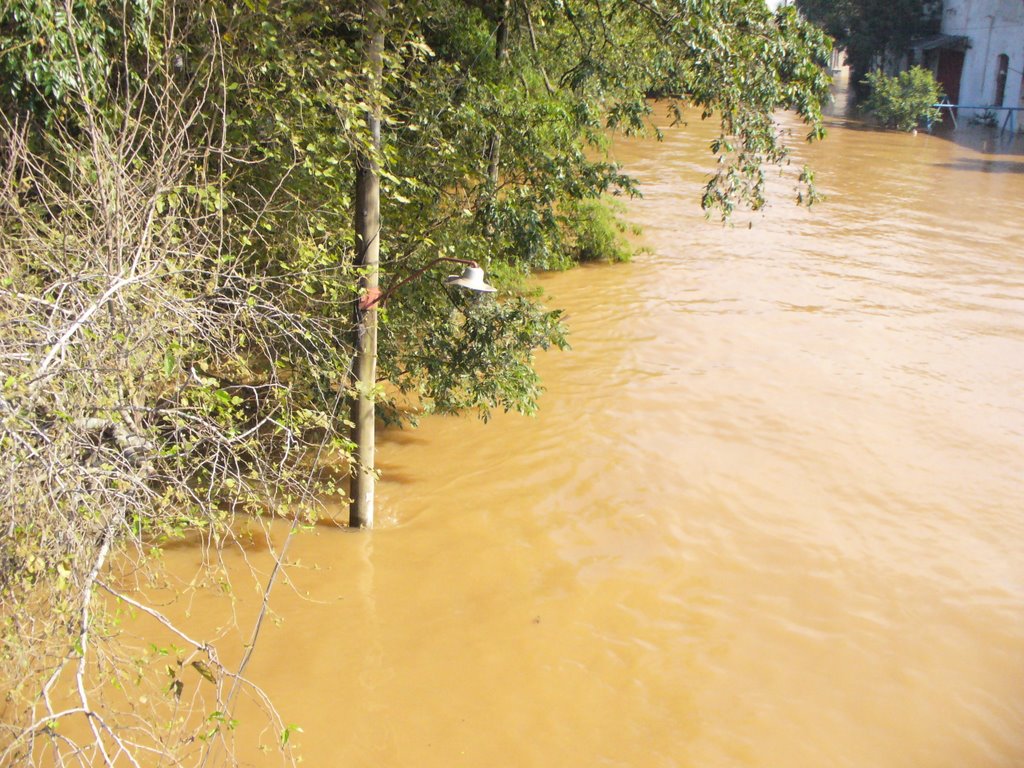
{"type": "Point", "coordinates": [177, 279]}
{"type": "Point", "coordinates": [904, 101]}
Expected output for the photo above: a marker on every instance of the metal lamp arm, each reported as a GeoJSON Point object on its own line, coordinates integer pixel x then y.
{"type": "Point", "coordinates": [382, 297]}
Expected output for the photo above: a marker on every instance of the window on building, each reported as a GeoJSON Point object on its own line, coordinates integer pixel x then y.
{"type": "Point", "coordinates": [1002, 68]}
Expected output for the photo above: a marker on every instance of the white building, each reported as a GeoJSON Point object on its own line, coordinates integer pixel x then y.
{"type": "Point", "coordinates": [979, 57]}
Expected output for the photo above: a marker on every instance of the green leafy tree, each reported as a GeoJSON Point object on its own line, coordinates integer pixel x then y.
{"type": "Point", "coordinates": [178, 276]}
{"type": "Point", "coordinates": [873, 31]}
{"type": "Point", "coordinates": [904, 101]}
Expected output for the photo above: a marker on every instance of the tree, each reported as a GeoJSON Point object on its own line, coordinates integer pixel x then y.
{"type": "Point", "coordinates": [873, 32]}
{"type": "Point", "coordinates": [179, 271]}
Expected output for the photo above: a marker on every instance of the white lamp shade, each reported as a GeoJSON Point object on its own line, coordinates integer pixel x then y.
{"type": "Point", "coordinates": [472, 278]}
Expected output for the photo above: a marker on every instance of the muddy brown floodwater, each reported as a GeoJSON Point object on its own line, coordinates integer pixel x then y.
{"type": "Point", "coordinates": [770, 514]}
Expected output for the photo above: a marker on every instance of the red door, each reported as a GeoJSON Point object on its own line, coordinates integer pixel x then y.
{"type": "Point", "coordinates": [951, 66]}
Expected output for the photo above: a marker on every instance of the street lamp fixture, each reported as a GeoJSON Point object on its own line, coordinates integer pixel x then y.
{"type": "Point", "coordinates": [362, 476]}
{"type": "Point", "coordinates": [472, 279]}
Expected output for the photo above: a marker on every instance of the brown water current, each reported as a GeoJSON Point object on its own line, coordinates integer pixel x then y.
{"type": "Point", "coordinates": [770, 514]}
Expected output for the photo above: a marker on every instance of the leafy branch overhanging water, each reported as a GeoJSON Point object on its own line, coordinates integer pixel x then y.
{"type": "Point", "coordinates": [177, 283]}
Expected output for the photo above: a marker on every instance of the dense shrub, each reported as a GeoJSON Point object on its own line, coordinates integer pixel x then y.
{"type": "Point", "coordinates": [904, 101]}
{"type": "Point", "coordinates": [599, 231]}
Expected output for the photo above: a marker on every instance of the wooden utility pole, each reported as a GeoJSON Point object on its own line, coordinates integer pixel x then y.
{"type": "Point", "coordinates": [367, 230]}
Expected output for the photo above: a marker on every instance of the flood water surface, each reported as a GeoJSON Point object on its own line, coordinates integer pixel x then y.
{"type": "Point", "coordinates": [770, 514]}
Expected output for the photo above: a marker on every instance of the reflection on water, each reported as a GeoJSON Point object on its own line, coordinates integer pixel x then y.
{"type": "Point", "coordinates": [771, 512]}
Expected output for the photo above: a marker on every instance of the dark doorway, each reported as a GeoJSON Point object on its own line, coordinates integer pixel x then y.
{"type": "Point", "coordinates": [951, 66]}
{"type": "Point", "coordinates": [1002, 68]}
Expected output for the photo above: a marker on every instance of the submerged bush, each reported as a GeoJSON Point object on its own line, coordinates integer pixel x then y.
{"type": "Point", "coordinates": [905, 100]}
{"type": "Point", "coordinates": [599, 233]}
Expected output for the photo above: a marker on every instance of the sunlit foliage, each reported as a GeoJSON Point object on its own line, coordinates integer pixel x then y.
{"type": "Point", "coordinates": [904, 101]}
{"type": "Point", "coordinates": [177, 281]}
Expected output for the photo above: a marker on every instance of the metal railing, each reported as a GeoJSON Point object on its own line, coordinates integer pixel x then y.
{"type": "Point", "coordinates": [1009, 122]}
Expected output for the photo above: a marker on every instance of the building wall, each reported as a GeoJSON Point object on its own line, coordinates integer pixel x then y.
{"type": "Point", "coordinates": [995, 27]}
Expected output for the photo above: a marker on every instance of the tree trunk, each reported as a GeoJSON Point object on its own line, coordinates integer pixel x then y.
{"type": "Point", "coordinates": [367, 231]}
{"type": "Point", "coordinates": [501, 54]}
